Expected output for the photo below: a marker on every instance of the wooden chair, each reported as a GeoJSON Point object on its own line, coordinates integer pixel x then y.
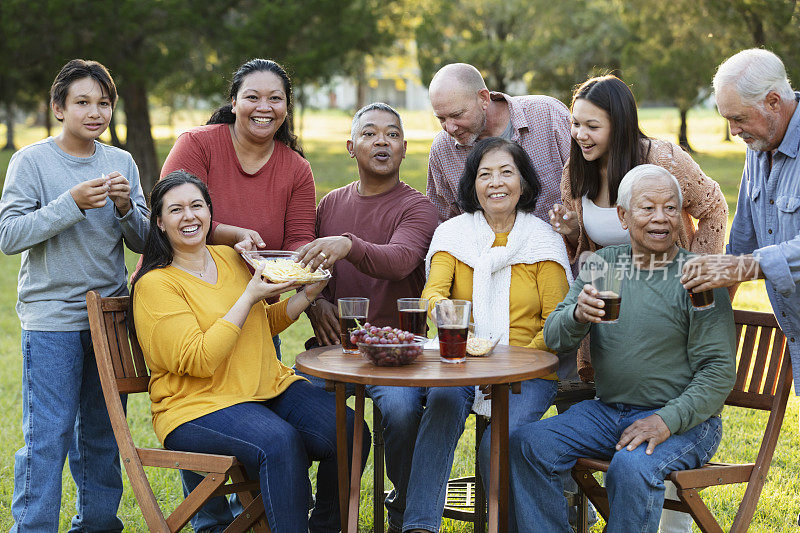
{"type": "Point", "coordinates": [123, 371]}
{"type": "Point", "coordinates": [466, 498]}
{"type": "Point", "coordinates": [763, 382]}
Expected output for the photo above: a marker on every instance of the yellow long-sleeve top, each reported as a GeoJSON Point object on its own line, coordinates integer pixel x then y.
{"type": "Point", "coordinates": [535, 291]}
{"type": "Point", "coordinates": [200, 363]}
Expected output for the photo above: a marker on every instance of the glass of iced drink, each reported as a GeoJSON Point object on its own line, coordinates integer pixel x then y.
{"type": "Point", "coordinates": [352, 316]}
{"type": "Point", "coordinates": [413, 315]}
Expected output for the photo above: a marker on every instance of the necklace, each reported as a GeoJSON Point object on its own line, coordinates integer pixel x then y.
{"type": "Point", "coordinates": [198, 273]}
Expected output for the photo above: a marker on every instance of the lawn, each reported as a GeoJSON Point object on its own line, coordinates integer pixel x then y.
{"type": "Point", "coordinates": [323, 136]}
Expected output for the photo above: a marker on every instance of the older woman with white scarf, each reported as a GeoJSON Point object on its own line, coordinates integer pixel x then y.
{"type": "Point", "coordinates": [509, 263]}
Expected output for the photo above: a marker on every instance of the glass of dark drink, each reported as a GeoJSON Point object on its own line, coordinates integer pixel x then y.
{"type": "Point", "coordinates": [413, 315]}
{"type": "Point", "coordinates": [352, 316]}
{"type": "Point", "coordinates": [452, 321]}
{"type": "Point", "coordinates": [702, 300]}
{"type": "Point", "coordinates": [606, 278]}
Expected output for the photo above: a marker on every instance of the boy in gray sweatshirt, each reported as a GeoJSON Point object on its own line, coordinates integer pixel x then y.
{"type": "Point", "coordinates": [68, 204]}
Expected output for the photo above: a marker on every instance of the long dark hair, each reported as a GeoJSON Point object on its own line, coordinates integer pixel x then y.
{"type": "Point", "coordinates": [625, 147]}
{"type": "Point", "coordinates": [529, 181]}
{"type": "Point", "coordinates": [158, 251]}
{"type": "Point", "coordinates": [225, 114]}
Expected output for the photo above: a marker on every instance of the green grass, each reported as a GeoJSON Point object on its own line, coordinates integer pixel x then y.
{"type": "Point", "coordinates": [323, 136]}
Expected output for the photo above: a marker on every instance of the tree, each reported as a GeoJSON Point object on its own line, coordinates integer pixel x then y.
{"type": "Point", "coordinates": [677, 46]}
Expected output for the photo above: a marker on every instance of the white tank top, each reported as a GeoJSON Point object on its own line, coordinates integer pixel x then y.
{"type": "Point", "coordinates": [602, 224]}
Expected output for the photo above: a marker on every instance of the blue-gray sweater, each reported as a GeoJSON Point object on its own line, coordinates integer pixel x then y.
{"type": "Point", "coordinates": [66, 251]}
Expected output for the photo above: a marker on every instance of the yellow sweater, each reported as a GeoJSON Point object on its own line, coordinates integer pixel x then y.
{"type": "Point", "coordinates": [535, 291]}
{"type": "Point", "coordinates": [200, 363]}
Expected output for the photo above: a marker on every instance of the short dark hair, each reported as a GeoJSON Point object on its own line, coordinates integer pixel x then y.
{"type": "Point", "coordinates": [225, 114]}
{"type": "Point", "coordinates": [625, 147]}
{"type": "Point", "coordinates": [78, 69]}
{"type": "Point", "coordinates": [529, 181]}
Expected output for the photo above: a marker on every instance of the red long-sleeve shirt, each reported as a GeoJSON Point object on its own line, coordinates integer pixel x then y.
{"type": "Point", "coordinates": [277, 201]}
{"type": "Point", "coordinates": [391, 233]}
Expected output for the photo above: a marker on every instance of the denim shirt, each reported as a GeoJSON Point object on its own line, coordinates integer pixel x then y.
{"type": "Point", "coordinates": [767, 224]}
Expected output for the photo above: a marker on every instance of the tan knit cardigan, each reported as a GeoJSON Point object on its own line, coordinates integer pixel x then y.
{"type": "Point", "coordinates": [702, 201]}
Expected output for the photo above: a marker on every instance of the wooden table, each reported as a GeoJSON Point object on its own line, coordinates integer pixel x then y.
{"type": "Point", "coordinates": [506, 367]}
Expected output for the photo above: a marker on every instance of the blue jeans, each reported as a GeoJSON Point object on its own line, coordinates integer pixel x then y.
{"type": "Point", "coordinates": [421, 428]}
{"type": "Point", "coordinates": [535, 397]}
{"type": "Point", "coordinates": [540, 452]}
{"type": "Point", "coordinates": [276, 440]}
{"type": "Point", "coordinates": [216, 514]}
{"type": "Point", "coordinates": [64, 415]}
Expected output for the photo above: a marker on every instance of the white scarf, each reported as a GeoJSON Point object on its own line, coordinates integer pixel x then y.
{"type": "Point", "coordinates": [469, 239]}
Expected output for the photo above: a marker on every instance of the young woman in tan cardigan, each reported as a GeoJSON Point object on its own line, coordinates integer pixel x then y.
{"type": "Point", "coordinates": [606, 144]}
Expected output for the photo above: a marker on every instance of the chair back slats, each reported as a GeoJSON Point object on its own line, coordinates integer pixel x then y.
{"type": "Point", "coordinates": [138, 358]}
{"type": "Point", "coordinates": [745, 357]}
{"type": "Point", "coordinates": [760, 361]}
{"type": "Point", "coordinates": [109, 331]}
{"type": "Point", "coordinates": [124, 344]}
{"type": "Point", "coordinates": [775, 362]}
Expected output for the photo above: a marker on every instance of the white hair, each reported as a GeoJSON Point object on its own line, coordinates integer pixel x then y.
{"type": "Point", "coordinates": [637, 174]}
{"type": "Point", "coordinates": [380, 106]}
{"type": "Point", "coordinates": [754, 73]}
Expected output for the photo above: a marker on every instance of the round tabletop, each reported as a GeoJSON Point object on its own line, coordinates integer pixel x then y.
{"type": "Point", "coordinates": [506, 364]}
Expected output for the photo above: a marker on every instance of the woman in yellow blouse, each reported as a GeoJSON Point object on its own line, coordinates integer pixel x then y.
{"type": "Point", "coordinates": [510, 264]}
{"type": "Point", "coordinates": [216, 384]}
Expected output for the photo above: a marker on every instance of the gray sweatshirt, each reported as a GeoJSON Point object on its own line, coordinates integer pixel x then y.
{"type": "Point", "coordinates": [66, 251]}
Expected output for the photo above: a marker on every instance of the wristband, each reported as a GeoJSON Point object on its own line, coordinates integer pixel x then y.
{"type": "Point", "coordinates": [312, 303]}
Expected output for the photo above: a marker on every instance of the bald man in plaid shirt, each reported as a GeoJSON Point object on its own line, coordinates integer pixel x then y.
{"type": "Point", "coordinates": [468, 112]}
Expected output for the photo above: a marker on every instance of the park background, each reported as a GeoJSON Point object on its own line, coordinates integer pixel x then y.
{"type": "Point", "coordinates": [172, 61]}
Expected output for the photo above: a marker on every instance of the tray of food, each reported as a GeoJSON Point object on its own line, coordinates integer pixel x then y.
{"type": "Point", "coordinates": [280, 267]}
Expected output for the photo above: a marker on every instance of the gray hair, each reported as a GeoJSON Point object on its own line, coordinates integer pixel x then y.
{"type": "Point", "coordinates": [637, 174]}
{"type": "Point", "coordinates": [380, 106]}
{"type": "Point", "coordinates": [754, 73]}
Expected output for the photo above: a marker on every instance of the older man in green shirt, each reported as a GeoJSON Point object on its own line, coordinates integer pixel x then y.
{"type": "Point", "coordinates": [662, 373]}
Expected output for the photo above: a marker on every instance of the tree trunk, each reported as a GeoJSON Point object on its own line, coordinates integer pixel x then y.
{"type": "Point", "coordinates": [361, 85]}
{"type": "Point", "coordinates": [48, 117]}
{"type": "Point", "coordinates": [9, 127]}
{"type": "Point", "coordinates": [140, 138]}
{"type": "Point", "coordinates": [112, 130]}
{"type": "Point", "coordinates": [727, 137]}
{"type": "Point", "coordinates": [683, 139]}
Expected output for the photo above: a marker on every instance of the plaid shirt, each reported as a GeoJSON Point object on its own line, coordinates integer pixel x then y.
{"type": "Point", "coordinates": [541, 126]}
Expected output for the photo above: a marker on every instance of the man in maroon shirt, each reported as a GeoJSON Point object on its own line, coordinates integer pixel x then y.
{"type": "Point", "coordinates": [373, 234]}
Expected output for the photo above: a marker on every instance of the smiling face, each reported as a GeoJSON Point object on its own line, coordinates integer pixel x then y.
{"type": "Point", "coordinates": [86, 112]}
{"type": "Point", "coordinates": [185, 217]}
{"type": "Point", "coordinates": [758, 126]}
{"type": "Point", "coordinates": [260, 106]}
{"type": "Point", "coordinates": [498, 184]}
{"type": "Point", "coordinates": [654, 218]}
{"type": "Point", "coordinates": [461, 114]}
{"type": "Point", "coordinates": [378, 146]}
{"type": "Point", "coordinates": [591, 129]}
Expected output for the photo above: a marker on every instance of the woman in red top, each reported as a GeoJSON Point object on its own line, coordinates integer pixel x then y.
{"type": "Point", "coordinates": [261, 183]}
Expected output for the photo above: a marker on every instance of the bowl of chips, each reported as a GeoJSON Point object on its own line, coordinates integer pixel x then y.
{"type": "Point", "coordinates": [480, 347]}
{"type": "Point", "coordinates": [280, 267]}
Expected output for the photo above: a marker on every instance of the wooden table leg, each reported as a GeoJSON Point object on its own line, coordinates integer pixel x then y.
{"type": "Point", "coordinates": [341, 451]}
{"type": "Point", "coordinates": [498, 463]}
{"type": "Point", "coordinates": [355, 467]}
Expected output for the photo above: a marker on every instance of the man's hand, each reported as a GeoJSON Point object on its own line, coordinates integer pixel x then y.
{"type": "Point", "coordinates": [590, 307]}
{"type": "Point", "coordinates": [119, 190]}
{"type": "Point", "coordinates": [651, 429]}
{"type": "Point", "coordinates": [248, 240]}
{"type": "Point", "coordinates": [324, 252]}
{"type": "Point", "coordinates": [325, 322]}
{"type": "Point", "coordinates": [712, 271]}
{"type": "Point", "coordinates": [90, 194]}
